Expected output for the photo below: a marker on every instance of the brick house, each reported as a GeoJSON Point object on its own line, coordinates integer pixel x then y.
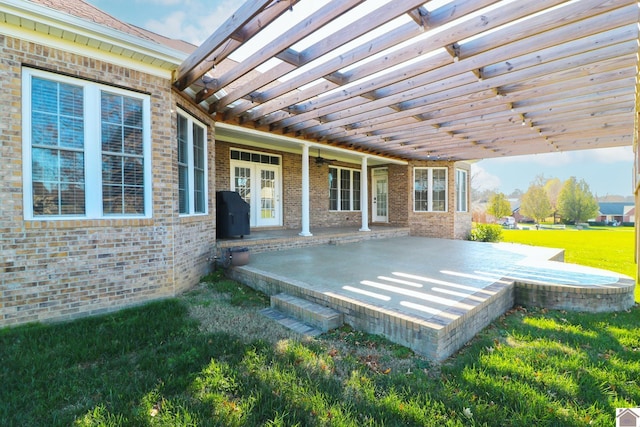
{"type": "Point", "coordinates": [109, 175]}
{"type": "Point", "coordinates": [618, 212]}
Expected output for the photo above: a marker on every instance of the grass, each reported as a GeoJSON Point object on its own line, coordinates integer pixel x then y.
{"type": "Point", "coordinates": [609, 248]}
{"type": "Point", "coordinates": [209, 358]}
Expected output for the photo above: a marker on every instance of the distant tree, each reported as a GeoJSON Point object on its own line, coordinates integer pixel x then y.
{"type": "Point", "coordinates": [499, 206]}
{"type": "Point", "coordinates": [535, 203]}
{"type": "Point", "coordinates": [575, 202]}
{"type": "Point", "coordinates": [553, 187]}
{"type": "Point", "coordinates": [516, 194]}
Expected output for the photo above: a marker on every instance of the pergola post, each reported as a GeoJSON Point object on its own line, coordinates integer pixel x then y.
{"type": "Point", "coordinates": [305, 192]}
{"type": "Point", "coordinates": [364, 196]}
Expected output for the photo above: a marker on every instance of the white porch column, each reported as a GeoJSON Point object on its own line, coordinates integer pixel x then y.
{"type": "Point", "coordinates": [364, 195]}
{"type": "Point", "coordinates": [305, 191]}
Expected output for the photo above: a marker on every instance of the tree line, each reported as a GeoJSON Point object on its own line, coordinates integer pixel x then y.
{"type": "Point", "coordinates": [571, 200]}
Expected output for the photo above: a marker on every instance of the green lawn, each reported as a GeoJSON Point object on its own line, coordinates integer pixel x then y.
{"type": "Point", "coordinates": [209, 358]}
{"type": "Point", "coordinates": [610, 248]}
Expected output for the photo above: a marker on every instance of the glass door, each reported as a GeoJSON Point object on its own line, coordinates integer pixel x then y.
{"type": "Point", "coordinates": [380, 194]}
{"type": "Point", "coordinates": [259, 185]}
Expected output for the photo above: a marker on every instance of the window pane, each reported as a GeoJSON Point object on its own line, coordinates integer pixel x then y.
{"type": "Point", "coordinates": [198, 147]}
{"type": "Point", "coordinates": [183, 170]}
{"type": "Point", "coordinates": [198, 169]}
{"type": "Point", "coordinates": [44, 129]}
{"type": "Point", "coordinates": [333, 189]}
{"type": "Point", "coordinates": [57, 174]}
{"type": "Point", "coordinates": [71, 100]}
{"type": "Point", "coordinates": [44, 96]}
{"type": "Point", "coordinates": [111, 169]}
{"type": "Point", "coordinates": [133, 172]}
{"type": "Point", "coordinates": [72, 199]}
{"type": "Point", "coordinates": [199, 194]}
{"type": "Point", "coordinates": [111, 138]}
{"type": "Point", "coordinates": [122, 148]}
{"type": "Point", "coordinates": [461, 190]}
{"type": "Point", "coordinates": [111, 108]}
{"type": "Point", "coordinates": [439, 190]}
{"type": "Point", "coordinates": [183, 194]}
{"type": "Point", "coordinates": [345, 189]}
{"type": "Point", "coordinates": [45, 198]}
{"type": "Point", "coordinates": [356, 190]}
{"type": "Point", "coordinates": [71, 167]}
{"type": "Point", "coordinates": [45, 165]}
{"type": "Point", "coordinates": [134, 200]}
{"type": "Point", "coordinates": [421, 189]}
{"type": "Point", "coordinates": [132, 112]}
{"type": "Point", "coordinates": [133, 141]}
{"type": "Point", "coordinates": [111, 199]}
{"type": "Point", "coordinates": [242, 183]}
{"type": "Point", "coordinates": [72, 133]}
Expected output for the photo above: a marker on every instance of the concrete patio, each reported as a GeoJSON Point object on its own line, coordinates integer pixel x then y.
{"type": "Point", "coordinates": [432, 295]}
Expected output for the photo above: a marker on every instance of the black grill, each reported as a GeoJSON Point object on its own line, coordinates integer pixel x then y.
{"type": "Point", "coordinates": [232, 215]}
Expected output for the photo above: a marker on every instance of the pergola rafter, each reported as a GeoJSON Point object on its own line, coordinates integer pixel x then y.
{"type": "Point", "coordinates": [463, 79]}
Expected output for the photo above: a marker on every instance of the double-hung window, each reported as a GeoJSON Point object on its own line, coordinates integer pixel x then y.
{"type": "Point", "coordinates": [344, 189]}
{"type": "Point", "coordinates": [461, 190]}
{"type": "Point", "coordinates": [192, 165]}
{"type": "Point", "coordinates": [86, 148]}
{"type": "Point", "coordinates": [430, 189]}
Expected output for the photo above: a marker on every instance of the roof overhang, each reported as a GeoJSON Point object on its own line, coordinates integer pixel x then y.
{"type": "Point", "coordinates": [445, 79]}
{"type": "Point", "coordinates": [254, 138]}
{"type": "Point", "coordinates": [45, 25]}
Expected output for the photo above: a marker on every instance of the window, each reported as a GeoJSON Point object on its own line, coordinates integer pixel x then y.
{"type": "Point", "coordinates": [461, 190]}
{"type": "Point", "coordinates": [86, 149]}
{"type": "Point", "coordinates": [192, 166]}
{"type": "Point", "coordinates": [430, 189]}
{"type": "Point", "coordinates": [344, 189]}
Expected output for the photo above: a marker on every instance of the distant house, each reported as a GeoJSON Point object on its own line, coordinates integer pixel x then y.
{"type": "Point", "coordinates": [515, 212]}
{"type": "Point", "coordinates": [618, 212]}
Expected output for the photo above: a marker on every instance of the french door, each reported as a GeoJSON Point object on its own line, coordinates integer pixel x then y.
{"type": "Point", "coordinates": [259, 185]}
{"type": "Point", "coordinates": [380, 195]}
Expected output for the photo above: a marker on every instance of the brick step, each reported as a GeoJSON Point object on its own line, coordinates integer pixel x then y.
{"type": "Point", "coordinates": [290, 322]}
{"type": "Point", "coordinates": [310, 313]}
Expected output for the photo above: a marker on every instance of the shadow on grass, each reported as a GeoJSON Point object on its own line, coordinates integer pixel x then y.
{"type": "Point", "coordinates": [153, 365]}
{"type": "Point", "coordinates": [551, 368]}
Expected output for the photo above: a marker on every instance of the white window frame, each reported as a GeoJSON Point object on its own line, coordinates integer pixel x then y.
{"type": "Point", "coordinates": [352, 190]}
{"type": "Point", "coordinates": [429, 207]}
{"type": "Point", "coordinates": [462, 190]}
{"type": "Point", "coordinates": [92, 147]}
{"type": "Point", "coordinates": [192, 123]}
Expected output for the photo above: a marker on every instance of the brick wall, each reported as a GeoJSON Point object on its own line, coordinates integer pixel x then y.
{"type": "Point", "coordinates": [64, 269]}
{"type": "Point", "coordinates": [447, 225]}
{"type": "Point", "coordinates": [320, 215]}
{"type": "Point", "coordinates": [450, 224]}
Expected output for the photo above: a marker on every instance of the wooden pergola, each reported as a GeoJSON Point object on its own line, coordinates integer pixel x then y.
{"type": "Point", "coordinates": [409, 79]}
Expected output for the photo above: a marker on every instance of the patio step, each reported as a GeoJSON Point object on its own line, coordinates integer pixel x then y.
{"type": "Point", "coordinates": [309, 313]}
{"type": "Point", "coordinates": [291, 323]}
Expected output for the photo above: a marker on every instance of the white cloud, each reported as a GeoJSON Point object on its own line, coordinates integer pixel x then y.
{"type": "Point", "coordinates": [601, 155]}
{"type": "Point", "coordinates": [483, 180]}
{"type": "Point", "coordinates": [607, 155]}
{"type": "Point", "coordinates": [197, 25]}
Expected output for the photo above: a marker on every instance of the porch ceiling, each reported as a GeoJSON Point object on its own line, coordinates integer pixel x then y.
{"type": "Point", "coordinates": [451, 79]}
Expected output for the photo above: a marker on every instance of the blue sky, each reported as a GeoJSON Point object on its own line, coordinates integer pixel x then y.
{"type": "Point", "coordinates": [607, 171]}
